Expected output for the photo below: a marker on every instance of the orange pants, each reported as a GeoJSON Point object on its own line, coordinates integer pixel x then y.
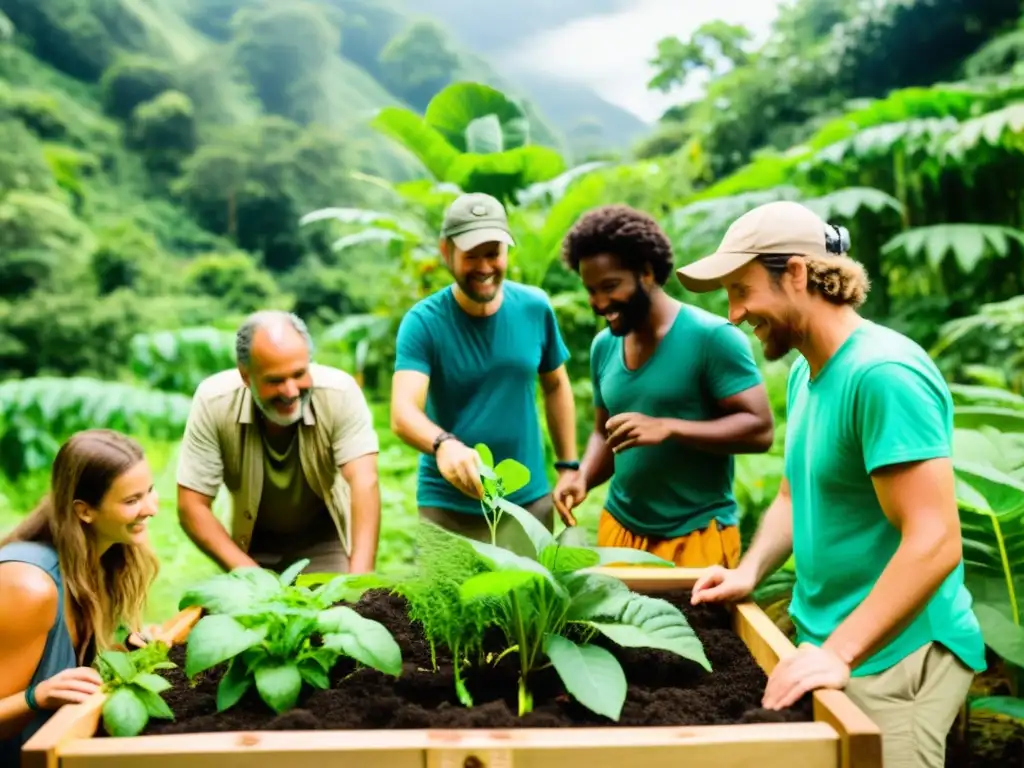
{"type": "Point", "coordinates": [714, 545]}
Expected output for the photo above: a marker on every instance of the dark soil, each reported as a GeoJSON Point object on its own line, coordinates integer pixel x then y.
{"type": "Point", "coordinates": [664, 689]}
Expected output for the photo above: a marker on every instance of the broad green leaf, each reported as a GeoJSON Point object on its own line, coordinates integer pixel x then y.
{"type": "Point", "coordinates": [590, 673]}
{"type": "Point", "coordinates": [419, 137]}
{"type": "Point", "coordinates": [124, 713]}
{"type": "Point", "coordinates": [347, 588]}
{"type": "Point", "coordinates": [846, 203]}
{"type": "Point", "coordinates": [500, 559]}
{"type": "Point", "coordinates": [151, 682]}
{"type": "Point", "coordinates": [1010, 706]}
{"type": "Point", "coordinates": [313, 673]}
{"type": "Point", "coordinates": [215, 639]}
{"type": "Point", "coordinates": [572, 536]}
{"type": "Point", "coordinates": [495, 584]}
{"type": "Point", "coordinates": [279, 685]}
{"type": "Point", "coordinates": [120, 664]}
{"type": "Point", "coordinates": [539, 536]}
{"type": "Point", "coordinates": [233, 685]}
{"type": "Point", "coordinates": [594, 596]}
{"type": "Point", "coordinates": [1002, 127]}
{"type": "Point", "coordinates": [974, 395]}
{"type": "Point", "coordinates": [293, 571]}
{"type": "Point", "coordinates": [976, 416]}
{"type": "Point", "coordinates": [513, 475]}
{"type": "Point", "coordinates": [559, 559]}
{"type": "Point", "coordinates": [365, 640]}
{"type": "Point", "coordinates": [453, 110]}
{"type": "Point", "coordinates": [485, 454]}
{"type": "Point", "coordinates": [648, 622]}
{"type": "Point", "coordinates": [969, 243]}
{"type": "Point", "coordinates": [1004, 494]}
{"type": "Point", "coordinates": [1001, 635]}
{"type": "Point", "coordinates": [231, 592]}
{"type": "Point", "coordinates": [155, 706]}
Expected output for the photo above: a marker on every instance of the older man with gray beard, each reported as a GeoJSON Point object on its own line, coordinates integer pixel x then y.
{"type": "Point", "coordinates": [294, 443]}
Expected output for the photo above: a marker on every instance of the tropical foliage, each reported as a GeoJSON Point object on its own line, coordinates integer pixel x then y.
{"type": "Point", "coordinates": [158, 180]}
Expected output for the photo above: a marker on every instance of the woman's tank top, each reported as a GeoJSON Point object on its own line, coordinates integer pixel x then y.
{"type": "Point", "coordinates": [59, 653]}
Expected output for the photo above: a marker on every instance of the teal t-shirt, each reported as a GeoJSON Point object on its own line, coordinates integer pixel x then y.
{"type": "Point", "coordinates": [671, 489]}
{"type": "Point", "coordinates": [483, 382]}
{"type": "Point", "coordinates": [879, 400]}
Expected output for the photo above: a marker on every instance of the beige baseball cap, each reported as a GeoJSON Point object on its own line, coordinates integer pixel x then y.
{"type": "Point", "coordinates": [782, 227]}
{"type": "Point", "coordinates": [476, 218]}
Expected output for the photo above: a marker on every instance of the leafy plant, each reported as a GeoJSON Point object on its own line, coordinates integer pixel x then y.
{"type": "Point", "coordinates": [133, 688]}
{"type": "Point", "coordinates": [545, 606]}
{"type": "Point", "coordinates": [276, 635]}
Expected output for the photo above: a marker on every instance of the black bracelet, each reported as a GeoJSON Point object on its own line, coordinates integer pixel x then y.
{"type": "Point", "coordinates": [575, 465]}
{"type": "Point", "coordinates": [441, 438]}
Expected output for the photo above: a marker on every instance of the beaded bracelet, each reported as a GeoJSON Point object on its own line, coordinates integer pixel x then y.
{"type": "Point", "coordinates": [30, 698]}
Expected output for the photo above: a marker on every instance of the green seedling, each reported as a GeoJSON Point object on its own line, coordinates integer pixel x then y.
{"type": "Point", "coordinates": [547, 606]}
{"type": "Point", "coordinates": [133, 688]}
{"type": "Point", "coordinates": [277, 635]}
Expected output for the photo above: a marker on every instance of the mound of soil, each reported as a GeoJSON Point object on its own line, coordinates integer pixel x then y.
{"type": "Point", "coordinates": [664, 689]}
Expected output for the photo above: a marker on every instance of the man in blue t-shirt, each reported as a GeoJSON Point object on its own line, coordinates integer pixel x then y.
{"type": "Point", "coordinates": [466, 370]}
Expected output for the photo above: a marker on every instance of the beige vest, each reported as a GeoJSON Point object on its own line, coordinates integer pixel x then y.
{"type": "Point", "coordinates": [222, 445]}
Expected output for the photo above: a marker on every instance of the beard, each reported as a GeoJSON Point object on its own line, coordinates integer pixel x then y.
{"type": "Point", "coordinates": [632, 314]}
{"type": "Point", "coordinates": [780, 339]}
{"type": "Point", "coordinates": [271, 414]}
{"type": "Point", "coordinates": [481, 294]}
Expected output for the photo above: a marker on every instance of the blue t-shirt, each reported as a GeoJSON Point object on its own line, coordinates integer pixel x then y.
{"type": "Point", "coordinates": [483, 382]}
{"type": "Point", "coordinates": [878, 401]}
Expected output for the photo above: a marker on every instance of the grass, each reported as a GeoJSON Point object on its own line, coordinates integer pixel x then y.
{"type": "Point", "coordinates": [182, 564]}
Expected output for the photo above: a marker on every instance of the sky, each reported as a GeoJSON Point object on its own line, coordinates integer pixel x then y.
{"type": "Point", "coordinates": [610, 53]}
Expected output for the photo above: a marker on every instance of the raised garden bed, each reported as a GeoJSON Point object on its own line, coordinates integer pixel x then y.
{"type": "Point", "coordinates": [675, 712]}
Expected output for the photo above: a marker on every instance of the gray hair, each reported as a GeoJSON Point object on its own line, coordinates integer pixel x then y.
{"type": "Point", "coordinates": [266, 318]}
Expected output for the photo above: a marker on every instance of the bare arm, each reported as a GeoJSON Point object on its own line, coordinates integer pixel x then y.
{"type": "Point", "coordinates": [919, 500]}
{"type": "Point", "coordinates": [747, 425]}
{"type": "Point", "coordinates": [362, 478]}
{"type": "Point", "coordinates": [28, 607]}
{"type": "Point", "coordinates": [560, 409]}
{"type": "Point", "coordinates": [773, 542]}
{"type": "Point", "coordinates": [195, 512]}
{"type": "Point", "coordinates": [408, 411]}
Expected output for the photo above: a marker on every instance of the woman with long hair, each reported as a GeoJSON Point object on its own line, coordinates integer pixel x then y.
{"type": "Point", "coordinates": [71, 574]}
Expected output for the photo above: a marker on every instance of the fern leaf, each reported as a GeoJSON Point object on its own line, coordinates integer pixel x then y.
{"type": "Point", "coordinates": [968, 243]}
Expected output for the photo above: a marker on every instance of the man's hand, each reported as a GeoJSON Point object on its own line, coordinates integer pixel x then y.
{"type": "Point", "coordinates": [807, 670]}
{"type": "Point", "coordinates": [717, 584]}
{"type": "Point", "coordinates": [570, 491]}
{"type": "Point", "coordinates": [628, 430]}
{"type": "Point", "coordinates": [460, 465]}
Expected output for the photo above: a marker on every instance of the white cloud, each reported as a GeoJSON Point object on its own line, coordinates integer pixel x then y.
{"type": "Point", "coordinates": [610, 53]}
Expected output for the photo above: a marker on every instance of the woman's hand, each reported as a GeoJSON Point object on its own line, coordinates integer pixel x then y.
{"type": "Point", "coordinates": [72, 686]}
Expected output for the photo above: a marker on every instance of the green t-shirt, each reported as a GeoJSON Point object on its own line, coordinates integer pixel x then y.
{"type": "Point", "coordinates": [879, 400]}
{"type": "Point", "coordinates": [671, 489]}
{"type": "Point", "coordinates": [483, 382]}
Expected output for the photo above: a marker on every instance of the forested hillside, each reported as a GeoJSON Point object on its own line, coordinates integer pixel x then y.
{"type": "Point", "coordinates": [167, 166]}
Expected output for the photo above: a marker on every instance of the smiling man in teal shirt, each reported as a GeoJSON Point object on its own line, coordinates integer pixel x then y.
{"type": "Point", "coordinates": [867, 505]}
{"type": "Point", "coordinates": [469, 360]}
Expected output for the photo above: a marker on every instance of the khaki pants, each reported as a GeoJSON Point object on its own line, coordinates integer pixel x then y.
{"type": "Point", "coordinates": [914, 704]}
{"type": "Point", "coordinates": [475, 526]}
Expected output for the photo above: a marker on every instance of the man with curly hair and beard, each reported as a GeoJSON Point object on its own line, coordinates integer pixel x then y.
{"type": "Point", "coordinates": [867, 505]}
{"type": "Point", "coordinates": [676, 393]}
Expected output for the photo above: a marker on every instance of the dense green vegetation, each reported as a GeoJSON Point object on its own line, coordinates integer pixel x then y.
{"type": "Point", "coordinates": [169, 165]}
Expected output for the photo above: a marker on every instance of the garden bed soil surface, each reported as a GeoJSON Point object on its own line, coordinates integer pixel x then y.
{"type": "Point", "coordinates": [664, 689]}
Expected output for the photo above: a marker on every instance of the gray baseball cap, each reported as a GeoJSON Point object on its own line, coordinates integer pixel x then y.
{"type": "Point", "coordinates": [476, 218]}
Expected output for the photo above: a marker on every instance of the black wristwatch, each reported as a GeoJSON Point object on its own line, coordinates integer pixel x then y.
{"type": "Point", "coordinates": [441, 438]}
{"type": "Point", "coordinates": [560, 465]}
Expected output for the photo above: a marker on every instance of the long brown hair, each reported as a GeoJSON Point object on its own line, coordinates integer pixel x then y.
{"type": "Point", "coordinates": [100, 598]}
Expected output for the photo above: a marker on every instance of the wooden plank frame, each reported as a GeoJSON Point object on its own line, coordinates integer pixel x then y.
{"type": "Point", "coordinates": [841, 736]}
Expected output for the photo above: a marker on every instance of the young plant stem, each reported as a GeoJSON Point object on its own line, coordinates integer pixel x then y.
{"type": "Point", "coordinates": [525, 698]}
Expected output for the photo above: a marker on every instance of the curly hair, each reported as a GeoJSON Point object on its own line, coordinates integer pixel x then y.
{"type": "Point", "coordinates": [839, 279]}
{"type": "Point", "coordinates": [631, 235]}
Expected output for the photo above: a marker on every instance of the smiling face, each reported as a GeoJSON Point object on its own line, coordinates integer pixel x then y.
{"type": "Point", "coordinates": [122, 514]}
{"type": "Point", "coordinates": [618, 295]}
{"type": "Point", "coordinates": [770, 305]}
{"type": "Point", "coordinates": [479, 272]}
{"type": "Point", "coordinates": [278, 375]}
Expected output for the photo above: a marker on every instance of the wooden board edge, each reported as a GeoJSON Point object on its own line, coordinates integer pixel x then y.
{"type": "Point", "coordinates": [648, 578]}
{"type": "Point", "coordinates": [860, 738]}
{"type": "Point", "coordinates": [767, 643]}
{"type": "Point", "coordinates": [69, 724]}
{"type": "Point", "coordinates": [507, 740]}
